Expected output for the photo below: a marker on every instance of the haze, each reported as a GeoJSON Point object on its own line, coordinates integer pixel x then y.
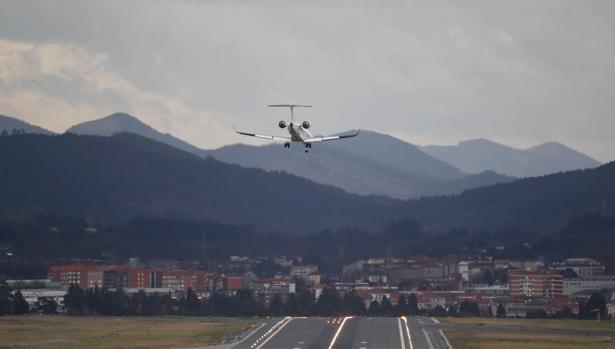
{"type": "Point", "coordinates": [519, 73]}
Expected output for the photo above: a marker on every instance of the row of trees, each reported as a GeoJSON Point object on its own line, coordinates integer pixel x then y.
{"type": "Point", "coordinates": [12, 303]}
{"type": "Point", "coordinates": [80, 301]}
{"type": "Point", "coordinates": [243, 303]}
{"type": "Point", "coordinates": [13, 132]}
{"type": "Point", "coordinates": [95, 301]}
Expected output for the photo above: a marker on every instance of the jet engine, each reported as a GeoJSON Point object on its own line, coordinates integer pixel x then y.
{"type": "Point", "coordinates": [305, 124]}
{"type": "Point", "coordinates": [282, 124]}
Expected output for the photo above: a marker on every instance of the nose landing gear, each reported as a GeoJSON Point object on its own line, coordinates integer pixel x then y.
{"type": "Point", "coordinates": [287, 145]}
{"type": "Point", "coordinates": [308, 146]}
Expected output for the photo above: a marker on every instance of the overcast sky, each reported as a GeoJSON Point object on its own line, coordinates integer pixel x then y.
{"type": "Point", "coordinates": [516, 72]}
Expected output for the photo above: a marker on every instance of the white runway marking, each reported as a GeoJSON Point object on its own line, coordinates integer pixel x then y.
{"type": "Point", "coordinates": [428, 339]}
{"type": "Point", "coordinates": [401, 335]}
{"type": "Point", "coordinates": [339, 329]}
{"type": "Point", "coordinates": [251, 333]}
{"type": "Point", "coordinates": [408, 332]}
{"type": "Point", "coordinates": [448, 344]}
{"type": "Point", "coordinates": [274, 333]}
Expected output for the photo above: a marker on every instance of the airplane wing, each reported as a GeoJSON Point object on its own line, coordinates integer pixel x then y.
{"type": "Point", "coordinates": [275, 138]}
{"type": "Point", "coordinates": [331, 138]}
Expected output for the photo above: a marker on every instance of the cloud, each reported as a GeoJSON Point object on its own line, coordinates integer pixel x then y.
{"type": "Point", "coordinates": [59, 84]}
{"type": "Point", "coordinates": [437, 72]}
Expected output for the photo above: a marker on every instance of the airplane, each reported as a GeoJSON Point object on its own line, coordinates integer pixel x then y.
{"type": "Point", "coordinates": [298, 132]}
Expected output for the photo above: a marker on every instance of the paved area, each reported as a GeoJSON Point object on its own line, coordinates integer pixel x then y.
{"type": "Point", "coordinates": [345, 333]}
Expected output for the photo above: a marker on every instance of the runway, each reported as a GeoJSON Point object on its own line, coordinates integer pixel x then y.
{"type": "Point", "coordinates": [345, 333]}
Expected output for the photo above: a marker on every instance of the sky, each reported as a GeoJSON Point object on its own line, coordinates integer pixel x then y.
{"type": "Point", "coordinates": [433, 72]}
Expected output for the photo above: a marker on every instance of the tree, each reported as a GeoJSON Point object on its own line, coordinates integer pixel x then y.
{"type": "Point", "coordinates": [595, 307]}
{"type": "Point", "coordinates": [20, 306]}
{"type": "Point", "coordinates": [74, 300]}
{"type": "Point", "coordinates": [564, 313]}
{"type": "Point", "coordinates": [276, 307]}
{"type": "Point", "coordinates": [465, 309]}
{"type": "Point", "coordinates": [501, 311]}
{"type": "Point", "coordinates": [488, 277]}
{"type": "Point", "coordinates": [6, 300]}
{"type": "Point", "coordinates": [353, 304]}
{"type": "Point", "coordinates": [402, 306]}
{"type": "Point", "coordinates": [413, 307]}
{"type": "Point", "coordinates": [438, 311]}
{"type": "Point", "coordinates": [245, 303]}
{"type": "Point", "coordinates": [452, 311]}
{"type": "Point", "coordinates": [4, 133]}
{"type": "Point", "coordinates": [190, 304]}
{"type": "Point", "coordinates": [329, 303]}
{"type": "Point", "coordinates": [536, 314]}
{"type": "Point", "coordinates": [374, 308]}
{"type": "Point", "coordinates": [386, 308]}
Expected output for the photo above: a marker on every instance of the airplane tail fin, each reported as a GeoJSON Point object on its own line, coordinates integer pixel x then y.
{"type": "Point", "coordinates": [292, 107]}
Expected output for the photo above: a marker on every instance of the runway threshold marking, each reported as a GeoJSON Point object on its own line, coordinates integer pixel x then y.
{"type": "Point", "coordinates": [337, 333]}
{"type": "Point", "coordinates": [407, 332]}
{"type": "Point", "coordinates": [428, 339]}
{"type": "Point", "coordinates": [276, 332]}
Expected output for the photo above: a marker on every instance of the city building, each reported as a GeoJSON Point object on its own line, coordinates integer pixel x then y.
{"type": "Point", "coordinates": [583, 267]}
{"type": "Point", "coordinates": [596, 282]}
{"type": "Point", "coordinates": [535, 284]}
{"type": "Point", "coordinates": [265, 289]}
{"type": "Point", "coordinates": [114, 277]}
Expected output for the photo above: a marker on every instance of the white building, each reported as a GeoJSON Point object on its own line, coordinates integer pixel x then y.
{"type": "Point", "coordinates": [303, 271]}
{"type": "Point", "coordinates": [583, 267]}
{"type": "Point", "coordinates": [595, 282]}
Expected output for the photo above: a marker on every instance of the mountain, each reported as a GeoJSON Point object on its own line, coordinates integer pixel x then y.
{"type": "Point", "coordinates": [125, 175]}
{"type": "Point", "coordinates": [111, 179]}
{"type": "Point", "coordinates": [9, 124]}
{"type": "Point", "coordinates": [122, 122]}
{"type": "Point", "coordinates": [478, 155]}
{"type": "Point", "coordinates": [542, 203]}
{"type": "Point", "coordinates": [371, 164]}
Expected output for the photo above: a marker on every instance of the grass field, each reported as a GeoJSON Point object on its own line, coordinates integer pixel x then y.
{"type": "Point", "coordinates": [114, 332]}
{"type": "Point", "coordinates": [490, 340]}
{"type": "Point", "coordinates": [583, 325]}
{"type": "Point", "coordinates": [461, 339]}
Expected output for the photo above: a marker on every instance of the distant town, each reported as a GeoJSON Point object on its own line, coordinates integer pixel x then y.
{"type": "Point", "coordinates": [449, 286]}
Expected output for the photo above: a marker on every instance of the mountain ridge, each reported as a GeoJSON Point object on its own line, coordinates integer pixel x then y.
{"type": "Point", "coordinates": [115, 178]}
{"type": "Point", "coordinates": [478, 155]}
{"type": "Point", "coordinates": [9, 123]}
{"type": "Point", "coordinates": [127, 175]}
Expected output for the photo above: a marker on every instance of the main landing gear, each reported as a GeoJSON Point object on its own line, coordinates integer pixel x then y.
{"type": "Point", "coordinates": [287, 145]}
{"type": "Point", "coordinates": [308, 146]}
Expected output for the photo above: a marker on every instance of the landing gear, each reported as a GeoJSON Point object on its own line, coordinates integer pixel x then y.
{"type": "Point", "coordinates": [287, 145]}
{"type": "Point", "coordinates": [308, 146]}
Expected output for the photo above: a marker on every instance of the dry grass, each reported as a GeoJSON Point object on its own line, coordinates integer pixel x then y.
{"type": "Point", "coordinates": [581, 325]}
{"type": "Point", "coordinates": [113, 332]}
{"type": "Point", "coordinates": [490, 340]}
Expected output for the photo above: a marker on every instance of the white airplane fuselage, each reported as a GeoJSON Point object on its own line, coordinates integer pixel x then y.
{"type": "Point", "coordinates": [298, 133]}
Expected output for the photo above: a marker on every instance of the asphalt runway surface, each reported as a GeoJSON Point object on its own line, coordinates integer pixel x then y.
{"type": "Point", "coordinates": [345, 333]}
